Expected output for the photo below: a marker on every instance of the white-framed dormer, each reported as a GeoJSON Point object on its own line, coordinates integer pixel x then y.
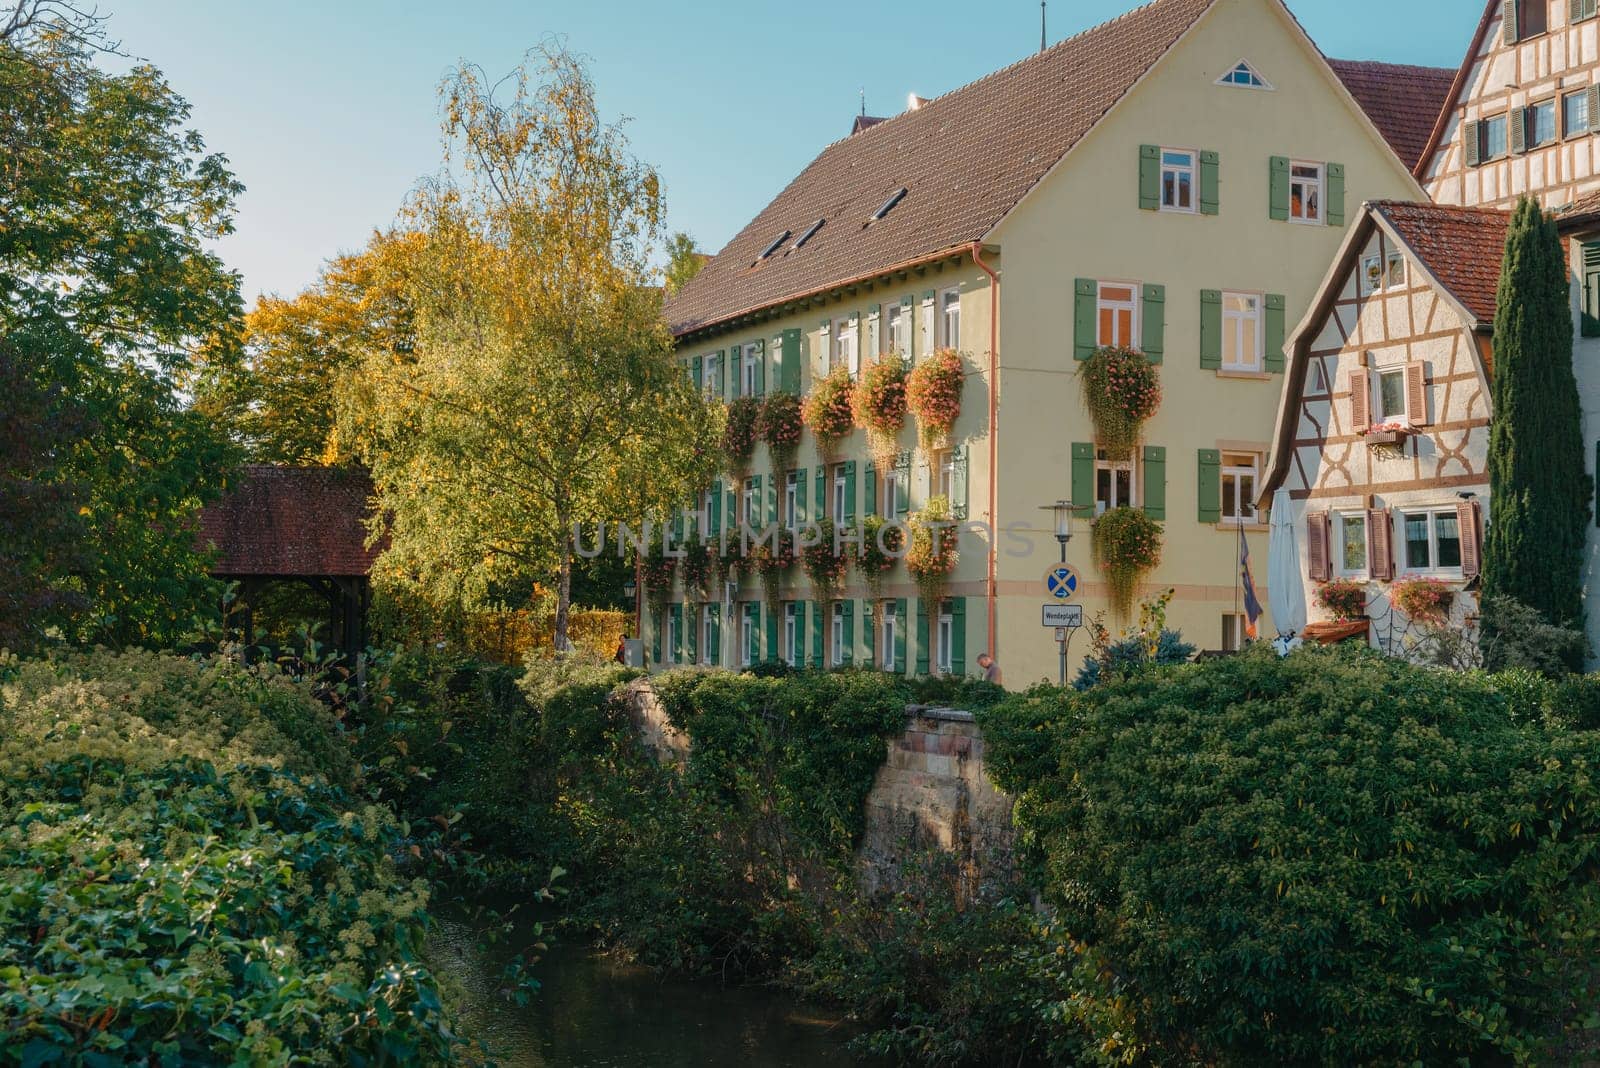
{"type": "Point", "coordinates": [1243, 75]}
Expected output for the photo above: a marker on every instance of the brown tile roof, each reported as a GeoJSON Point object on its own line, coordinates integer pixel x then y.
{"type": "Point", "coordinates": [965, 159]}
{"type": "Point", "coordinates": [1585, 207]}
{"type": "Point", "coordinates": [283, 521]}
{"type": "Point", "coordinates": [1491, 11]}
{"type": "Point", "coordinates": [1462, 247]}
{"type": "Point", "coordinates": [1403, 101]}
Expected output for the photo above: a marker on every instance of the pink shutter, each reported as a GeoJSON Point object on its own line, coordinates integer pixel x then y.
{"type": "Point", "coordinates": [1471, 551]}
{"type": "Point", "coordinates": [1380, 555]}
{"type": "Point", "coordinates": [1360, 401]}
{"type": "Point", "coordinates": [1416, 394]}
{"type": "Point", "coordinates": [1318, 565]}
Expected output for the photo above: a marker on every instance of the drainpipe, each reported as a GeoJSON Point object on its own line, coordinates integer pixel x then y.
{"type": "Point", "coordinates": [994, 434]}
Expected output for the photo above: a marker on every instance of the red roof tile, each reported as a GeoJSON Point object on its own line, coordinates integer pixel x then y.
{"type": "Point", "coordinates": [964, 158]}
{"type": "Point", "coordinates": [1462, 247]}
{"type": "Point", "coordinates": [1402, 101]}
{"type": "Point", "coordinates": [291, 521]}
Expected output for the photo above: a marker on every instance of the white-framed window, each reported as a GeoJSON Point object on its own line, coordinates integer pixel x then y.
{"type": "Point", "coordinates": [1241, 331]}
{"type": "Point", "coordinates": [838, 509]}
{"type": "Point", "coordinates": [846, 346]}
{"type": "Point", "coordinates": [1233, 631]}
{"type": "Point", "coordinates": [890, 500]}
{"type": "Point", "coordinates": [1243, 75]}
{"type": "Point", "coordinates": [1118, 308]}
{"type": "Point", "coordinates": [887, 625]}
{"type": "Point", "coordinates": [791, 499]}
{"type": "Point", "coordinates": [709, 376]}
{"type": "Point", "coordinates": [1350, 544]}
{"type": "Point", "coordinates": [1542, 123]}
{"type": "Point", "coordinates": [669, 648]}
{"type": "Point", "coordinates": [708, 635]}
{"type": "Point", "coordinates": [945, 638]}
{"type": "Point", "coordinates": [950, 318]}
{"type": "Point", "coordinates": [747, 637]}
{"type": "Point", "coordinates": [836, 636]}
{"type": "Point", "coordinates": [1391, 399]}
{"type": "Point", "coordinates": [1178, 180]}
{"type": "Point", "coordinates": [1575, 114]}
{"type": "Point", "coordinates": [1431, 538]}
{"type": "Point", "coordinates": [750, 371]}
{"type": "Point", "coordinates": [928, 327]}
{"type": "Point", "coordinates": [942, 469]}
{"type": "Point", "coordinates": [752, 504]}
{"type": "Point", "coordinates": [1379, 272]}
{"type": "Point", "coordinates": [1492, 138]}
{"type": "Point", "coordinates": [897, 331]}
{"type": "Point", "coordinates": [793, 634]}
{"type": "Point", "coordinates": [1240, 473]}
{"type": "Point", "coordinates": [1115, 482]}
{"type": "Point", "coordinates": [1305, 192]}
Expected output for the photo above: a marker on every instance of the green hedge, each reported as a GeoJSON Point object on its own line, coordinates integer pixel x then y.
{"type": "Point", "coordinates": [184, 877]}
{"type": "Point", "coordinates": [1330, 858]}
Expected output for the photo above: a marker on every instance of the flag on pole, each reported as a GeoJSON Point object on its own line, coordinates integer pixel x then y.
{"type": "Point", "coordinates": [1252, 606]}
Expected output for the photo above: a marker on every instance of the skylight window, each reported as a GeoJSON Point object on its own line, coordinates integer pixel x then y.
{"type": "Point", "coordinates": [776, 244]}
{"type": "Point", "coordinates": [896, 197]}
{"type": "Point", "coordinates": [1245, 76]}
{"type": "Point", "coordinates": [811, 231]}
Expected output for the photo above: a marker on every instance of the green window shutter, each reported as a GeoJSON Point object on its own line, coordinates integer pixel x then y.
{"type": "Point", "coordinates": [958, 637]}
{"type": "Point", "coordinates": [1593, 95]}
{"type": "Point", "coordinates": [1508, 29]}
{"type": "Point", "coordinates": [1083, 477]}
{"type": "Point", "coordinates": [1589, 321]}
{"type": "Point", "coordinates": [821, 510]}
{"type": "Point", "coordinates": [869, 635]}
{"type": "Point", "coordinates": [870, 507]}
{"type": "Point", "coordinates": [677, 636]}
{"type": "Point", "coordinates": [800, 506]}
{"type": "Point", "coordinates": [1149, 177]}
{"type": "Point", "coordinates": [1517, 130]}
{"type": "Point", "coordinates": [908, 318]}
{"type": "Point", "coordinates": [789, 379]}
{"type": "Point", "coordinates": [1278, 188]}
{"type": "Point", "coordinates": [1472, 146]}
{"type": "Point", "coordinates": [714, 654]}
{"type": "Point", "coordinates": [714, 507]}
{"type": "Point", "coordinates": [699, 380]}
{"type": "Point", "coordinates": [901, 623]}
{"type": "Point", "coordinates": [730, 508]}
{"type": "Point", "coordinates": [1210, 486]}
{"type": "Point", "coordinates": [658, 626]}
{"type": "Point", "coordinates": [1335, 207]}
{"type": "Point", "coordinates": [1155, 481]}
{"type": "Point", "coordinates": [1210, 200]}
{"type": "Point", "coordinates": [772, 499]}
{"type": "Point", "coordinates": [771, 652]}
{"type": "Point", "coordinates": [1085, 328]}
{"type": "Point", "coordinates": [922, 636]}
{"type": "Point", "coordinates": [692, 632]}
{"type": "Point", "coordinates": [722, 373]}
{"type": "Point", "coordinates": [818, 660]}
{"type": "Point", "coordinates": [1210, 329]}
{"type": "Point", "coordinates": [757, 520]}
{"type": "Point", "coordinates": [958, 482]}
{"type": "Point", "coordinates": [902, 485]}
{"type": "Point", "coordinates": [1154, 327]}
{"type": "Point", "coordinates": [849, 491]}
{"type": "Point", "coordinates": [1274, 333]}
{"type": "Point", "coordinates": [735, 362]}
{"type": "Point", "coordinates": [928, 301]}
{"type": "Point", "coordinates": [849, 639]}
{"type": "Point", "coordinates": [761, 368]}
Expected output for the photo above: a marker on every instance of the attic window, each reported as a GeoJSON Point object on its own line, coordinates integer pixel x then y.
{"type": "Point", "coordinates": [896, 197]}
{"type": "Point", "coordinates": [1245, 76]}
{"type": "Point", "coordinates": [811, 231]}
{"type": "Point", "coordinates": [776, 244]}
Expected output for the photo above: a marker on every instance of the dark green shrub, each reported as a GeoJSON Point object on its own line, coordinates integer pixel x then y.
{"type": "Point", "coordinates": [1128, 655]}
{"type": "Point", "coordinates": [1330, 858]}
{"type": "Point", "coordinates": [950, 691]}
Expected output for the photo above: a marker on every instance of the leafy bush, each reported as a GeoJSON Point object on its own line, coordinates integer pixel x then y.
{"type": "Point", "coordinates": [950, 691]}
{"type": "Point", "coordinates": [184, 878]}
{"type": "Point", "coordinates": [1122, 657]}
{"type": "Point", "coordinates": [1330, 858]}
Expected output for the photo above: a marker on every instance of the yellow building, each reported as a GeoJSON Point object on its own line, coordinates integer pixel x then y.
{"type": "Point", "coordinates": [1176, 181]}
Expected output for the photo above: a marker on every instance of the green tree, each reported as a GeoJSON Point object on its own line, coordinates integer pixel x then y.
{"type": "Point", "coordinates": [683, 261]}
{"type": "Point", "coordinates": [1538, 491]}
{"type": "Point", "coordinates": [107, 295]}
{"type": "Point", "coordinates": [543, 391]}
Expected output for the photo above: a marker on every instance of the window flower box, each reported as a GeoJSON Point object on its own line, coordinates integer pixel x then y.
{"type": "Point", "coordinates": [1387, 434]}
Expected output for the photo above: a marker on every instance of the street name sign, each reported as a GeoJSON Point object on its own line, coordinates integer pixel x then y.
{"type": "Point", "coordinates": [1063, 615]}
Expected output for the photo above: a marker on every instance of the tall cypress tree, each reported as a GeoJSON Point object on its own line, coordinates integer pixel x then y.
{"type": "Point", "coordinates": [1538, 491]}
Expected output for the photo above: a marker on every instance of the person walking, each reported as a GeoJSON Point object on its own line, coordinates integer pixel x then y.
{"type": "Point", "coordinates": [621, 655]}
{"type": "Point", "coordinates": [991, 669]}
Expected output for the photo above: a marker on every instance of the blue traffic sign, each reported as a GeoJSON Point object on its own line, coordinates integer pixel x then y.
{"type": "Point", "coordinates": [1061, 582]}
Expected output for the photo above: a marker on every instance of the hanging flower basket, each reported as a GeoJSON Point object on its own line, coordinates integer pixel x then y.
{"type": "Point", "coordinates": [1345, 598]}
{"type": "Point", "coordinates": [933, 395]}
{"type": "Point", "coordinates": [881, 544]}
{"type": "Point", "coordinates": [780, 428]}
{"type": "Point", "coordinates": [696, 565]}
{"type": "Point", "coordinates": [657, 570]}
{"type": "Point", "coordinates": [828, 412]}
{"type": "Point", "coordinates": [933, 554]}
{"type": "Point", "coordinates": [770, 563]}
{"type": "Point", "coordinates": [740, 436]}
{"type": "Point", "coordinates": [879, 402]}
{"type": "Point", "coordinates": [1423, 600]}
{"type": "Point", "coordinates": [824, 567]}
{"type": "Point", "coordinates": [1127, 547]}
{"type": "Point", "coordinates": [1122, 390]}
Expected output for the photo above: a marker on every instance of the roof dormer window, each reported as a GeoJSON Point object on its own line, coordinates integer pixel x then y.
{"type": "Point", "coordinates": [888, 205]}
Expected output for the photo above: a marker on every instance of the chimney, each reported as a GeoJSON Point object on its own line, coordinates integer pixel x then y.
{"type": "Point", "coordinates": [913, 101]}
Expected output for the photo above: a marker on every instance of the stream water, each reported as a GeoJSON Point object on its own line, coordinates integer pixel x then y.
{"type": "Point", "coordinates": [593, 1012]}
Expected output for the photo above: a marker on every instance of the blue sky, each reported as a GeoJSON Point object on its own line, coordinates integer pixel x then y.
{"type": "Point", "coordinates": [328, 110]}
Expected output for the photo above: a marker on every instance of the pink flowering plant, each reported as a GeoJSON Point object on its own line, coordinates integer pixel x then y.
{"type": "Point", "coordinates": [780, 428]}
{"type": "Point", "coordinates": [828, 411]}
{"type": "Point", "coordinates": [1127, 547]}
{"type": "Point", "coordinates": [1122, 390]}
{"type": "Point", "coordinates": [824, 566]}
{"type": "Point", "coordinates": [932, 557]}
{"type": "Point", "coordinates": [933, 395]}
{"type": "Point", "coordinates": [696, 565]}
{"type": "Point", "coordinates": [740, 434]}
{"type": "Point", "coordinates": [879, 402]}
{"type": "Point", "coordinates": [874, 560]}
{"type": "Point", "coordinates": [770, 563]}
{"type": "Point", "coordinates": [1423, 600]}
{"type": "Point", "coordinates": [657, 570]}
{"type": "Point", "coordinates": [1345, 598]}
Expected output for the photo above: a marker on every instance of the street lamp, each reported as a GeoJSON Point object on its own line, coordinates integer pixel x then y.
{"type": "Point", "coordinates": [1062, 510]}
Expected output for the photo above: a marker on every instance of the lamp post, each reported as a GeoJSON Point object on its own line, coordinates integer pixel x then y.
{"type": "Point", "coordinates": [1061, 511]}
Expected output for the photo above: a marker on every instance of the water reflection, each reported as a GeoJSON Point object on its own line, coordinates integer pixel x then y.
{"type": "Point", "coordinates": [596, 1013]}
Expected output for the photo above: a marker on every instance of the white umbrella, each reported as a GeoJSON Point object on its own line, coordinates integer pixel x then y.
{"type": "Point", "coordinates": [1286, 595]}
